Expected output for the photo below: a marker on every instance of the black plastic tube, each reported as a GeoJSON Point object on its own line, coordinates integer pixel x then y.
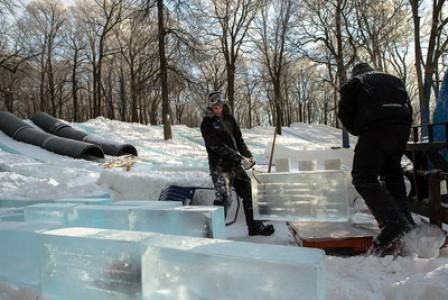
{"type": "Point", "coordinates": [57, 127]}
{"type": "Point", "coordinates": [23, 132]}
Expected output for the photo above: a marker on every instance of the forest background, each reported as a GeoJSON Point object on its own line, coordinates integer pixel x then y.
{"type": "Point", "coordinates": [154, 61]}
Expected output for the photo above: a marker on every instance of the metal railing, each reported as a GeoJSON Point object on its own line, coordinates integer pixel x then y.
{"type": "Point", "coordinates": [416, 132]}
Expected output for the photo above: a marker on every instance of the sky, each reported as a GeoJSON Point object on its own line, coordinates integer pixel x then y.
{"type": "Point", "coordinates": [28, 172]}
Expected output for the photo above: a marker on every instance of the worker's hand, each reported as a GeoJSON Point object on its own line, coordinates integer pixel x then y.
{"type": "Point", "coordinates": [248, 162]}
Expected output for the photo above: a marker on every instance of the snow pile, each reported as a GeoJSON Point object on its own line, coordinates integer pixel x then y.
{"type": "Point", "coordinates": [423, 241]}
{"type": "Point", "coordinates": [372, 278]}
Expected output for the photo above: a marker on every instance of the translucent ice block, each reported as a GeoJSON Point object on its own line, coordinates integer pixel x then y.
{"type": "Point", "coordinates": [59, 213]}
{"type": "Point", "coordinates": [154, 204]}
{"type": "Point", "coordinates": [198, 221]}
{"type": "Point", "coordinates": [96, 201]}
{"type": "Point", "coordinates": [19, 252]}
{"type": "Point", "coordinates": [92, 264]}
{"type": "Point", "coordinates": [14, 214]}
{"type": "Point", "coordinates": [102, 216]}
{"type": "Point", "coordinates": [21, 203]}
{"type": "Point", "coordinates": [301, 196]}
{"type": "Point", "coordinates": [196, 268]}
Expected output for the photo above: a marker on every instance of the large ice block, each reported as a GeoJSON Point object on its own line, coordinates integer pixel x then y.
{"type": "Point", "coordinates": [154, 204]}
{"type": "Point", "coordinates": [14, 214]}
{"type": "Point", "coordinates": [301, 196]}
{"type": "Point", "coordinates": [102, 216]}
{"type": "Point", "coordinates": [59, 213]}
{"type": "Point", "coordinates": [19, 252]}
{"type": "Point", "coordinates": [95, 201]}
{"type": "Point", "coordinates": [196, 268]}
{"type": "Point", "coordinates": [92, 264]}
{"type": "Point", "coordinates": [198, 221]}
{"type": "Point", "coordinates": [21, 203]}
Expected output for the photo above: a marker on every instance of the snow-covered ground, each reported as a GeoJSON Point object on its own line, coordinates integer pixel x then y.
{"type": "Point", "coordinates": [28, 172]}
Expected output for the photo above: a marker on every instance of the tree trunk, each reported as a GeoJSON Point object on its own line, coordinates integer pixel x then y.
{"type": "Point", "coordinates": [163, 74]}
{"type": "Point", "coordinates": [75, 88]}
{"type": "Point", "coordinates": [231, 86]}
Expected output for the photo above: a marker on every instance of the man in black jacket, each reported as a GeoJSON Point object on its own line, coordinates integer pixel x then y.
{"type": "Point", "coordinates": [226, 153]}
{"type": "Point", "coordinates": [375, 106]}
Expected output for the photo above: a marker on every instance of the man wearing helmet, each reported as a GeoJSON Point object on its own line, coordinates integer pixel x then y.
{"type": "Point", "coordinates": [227, 153]}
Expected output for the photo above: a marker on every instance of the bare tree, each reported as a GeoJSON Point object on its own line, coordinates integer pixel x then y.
{"type": "Point", "coordinates": [234, 18]}
{"type": "Point", "coordinates": [273, 31]}
{"type": "Point", "coordinates": [377, 24]}
{"type": "Point", "coordinates": [76, 44]}
{"type": "Point", "coordinates": [100, 18]}
{"type": "Point", "coordinates": [44, 21]}
{"type": "Point", "coordinates": [138, 41]}
{"type": "Point", "coordinates": [437, 44]}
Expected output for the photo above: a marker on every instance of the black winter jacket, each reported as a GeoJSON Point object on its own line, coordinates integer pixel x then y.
{"type": "Point", "coordinates": [223, 141]}
{"type": "Point", "coordinates": [373, 99]}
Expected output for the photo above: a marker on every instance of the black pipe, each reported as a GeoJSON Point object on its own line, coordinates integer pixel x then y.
{"type": "Point", "coordinates": [62, 129]}
{"type": "Point", "coordinates": [23, 132]}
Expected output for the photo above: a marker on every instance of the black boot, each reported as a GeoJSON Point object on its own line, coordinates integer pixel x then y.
{"type": "Point", "coordinates": [390, 233]}
{"type": "Point", "coordinates": [259, 228]}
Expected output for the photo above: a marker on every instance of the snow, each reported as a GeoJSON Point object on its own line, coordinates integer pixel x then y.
{"type": "Point", "coordinates": [28, 172]}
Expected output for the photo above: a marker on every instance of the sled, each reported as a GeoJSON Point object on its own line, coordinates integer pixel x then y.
{"type": "Point", "coordinates": [334, 238]}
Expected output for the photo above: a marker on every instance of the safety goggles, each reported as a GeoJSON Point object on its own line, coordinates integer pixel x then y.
{"type": "Point", "coordinates": [215, 99]}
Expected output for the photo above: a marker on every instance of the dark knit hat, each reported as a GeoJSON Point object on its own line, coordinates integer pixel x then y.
{"type": "Point", "coordinates": [361, 68]}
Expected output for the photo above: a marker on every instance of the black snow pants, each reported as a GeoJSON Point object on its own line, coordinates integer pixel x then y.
{"type": "Point", "coordinates": [237, 178]}
{"type": "Point", "coordinates": [377, 173]}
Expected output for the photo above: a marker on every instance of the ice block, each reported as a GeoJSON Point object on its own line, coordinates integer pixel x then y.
{"type": "Point", "coordinates": [19, 252]}
{"type": "Point", "coordinates": [198, 221]}
{"type": "Point", "coordinates": [101, 216]}
{"type": "Point", "coordinates": [154, 204]}
{"type": "Point", "coordinates": [92, 264]}
{"type": "Point", "coordinates": [95, 201]}
{"type": "Point", "coordinates": [301, 196]}
{"type": "Point", "coordinates": [282, 165]}
{"type": "Point", "coordinates": [13, 214]}
{"type": "Point", "coordinates": [21, 203]}
{"type": "Point", "coordinates": [196, 268]}
{"type": "Point", "coordinates": [59, 213]}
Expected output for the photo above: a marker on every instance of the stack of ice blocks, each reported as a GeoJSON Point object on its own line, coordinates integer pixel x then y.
{"type": "Point", "coordinates": [19, 252]}
{"type": "Point", "coordinates": [301, 196]}
{"type": "Point", "coordinates": [88, 263]}
{"type": "Point", "coordinates": [156, 216]}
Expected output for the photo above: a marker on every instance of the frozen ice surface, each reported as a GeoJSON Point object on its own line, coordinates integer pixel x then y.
{"type": "Point", "coordinates": [14, 214]}
{"type": "Point", "coordinates": [198, 221]}
{"type": "Point", "coordinates": [19, 252]}
{"type": "Point", "coordinates": [59, 213]}
{"type": "Point", "coordinates": [95, 201]}
{"type": "Point", "coordinates": [301, 196]}
{"type": "Point", "coordinates": [196, 268]}
{"type": "Point", "coordinates": [21, 203]}
{"type": "Point", "coordinates": [102, 216]}
{"type": "Point", "coordinates": [92, 264]}
{"type": "Point", "coordinates": [148, 203]}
